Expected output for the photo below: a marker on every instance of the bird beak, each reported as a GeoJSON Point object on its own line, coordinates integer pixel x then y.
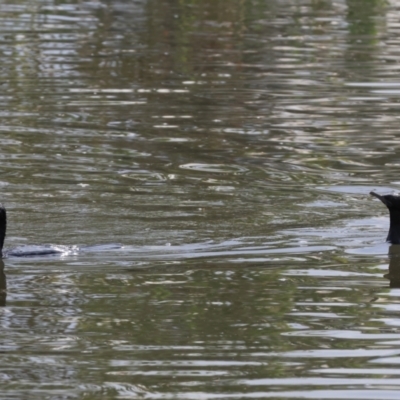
{"type": "Point", "coordinates": [381, 198]}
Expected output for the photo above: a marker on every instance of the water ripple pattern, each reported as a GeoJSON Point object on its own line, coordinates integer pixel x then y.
{"type": "Point", "coordinates": [230, 149]}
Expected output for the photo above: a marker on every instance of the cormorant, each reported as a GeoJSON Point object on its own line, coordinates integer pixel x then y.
{"type": "Point", "coordinates": [392, 202]}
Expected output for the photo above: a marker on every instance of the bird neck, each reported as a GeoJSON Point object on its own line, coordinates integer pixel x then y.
{"type": "Point", "coordinates": [394, 229]}
{"type": "Point", "coordinates": [3, 228]}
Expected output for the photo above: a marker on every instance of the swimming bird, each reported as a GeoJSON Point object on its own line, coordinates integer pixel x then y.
{"type": "Point", "coordinates": [392, 202]}
{"type": "Point", "coordinates": [45, 249]}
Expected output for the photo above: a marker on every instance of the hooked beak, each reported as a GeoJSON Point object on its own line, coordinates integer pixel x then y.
{"type": "Point", "coordinates": [381, 198]}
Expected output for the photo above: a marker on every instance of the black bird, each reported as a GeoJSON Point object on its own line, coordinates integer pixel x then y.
{"type": "Point", "coordinates": [45, 249]}
{"type": "Point", "coordinates": [393, 204]}
{"type": "Point", "coordinates": [3, 227]}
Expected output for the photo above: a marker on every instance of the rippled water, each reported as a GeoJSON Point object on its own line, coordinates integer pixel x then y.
{"type": "Point", "coordinates": [230, 148]}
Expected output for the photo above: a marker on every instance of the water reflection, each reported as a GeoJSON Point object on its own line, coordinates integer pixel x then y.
{"type": "Point", "coordinates": [3, 284]}
{"type": "Point", "coordinates": [203, 137]}
{"type": "Point", "coordinates": [394, 266]}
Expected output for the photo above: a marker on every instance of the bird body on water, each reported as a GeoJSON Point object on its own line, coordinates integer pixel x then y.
{"type": "Point", "coordinates": [392, 202]}
{"type": "Point", "coordinates": [41, 250]}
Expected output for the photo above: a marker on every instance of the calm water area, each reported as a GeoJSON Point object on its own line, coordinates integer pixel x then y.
{"type": "Point", "coordinates": [230, 148]}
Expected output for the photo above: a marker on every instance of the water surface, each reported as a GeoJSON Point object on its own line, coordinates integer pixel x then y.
{"type": "Point", "coordinates": [230, 149]}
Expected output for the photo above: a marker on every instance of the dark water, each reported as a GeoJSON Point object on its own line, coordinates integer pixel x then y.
{"type": "Point", "coordinates": [230, 146]}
